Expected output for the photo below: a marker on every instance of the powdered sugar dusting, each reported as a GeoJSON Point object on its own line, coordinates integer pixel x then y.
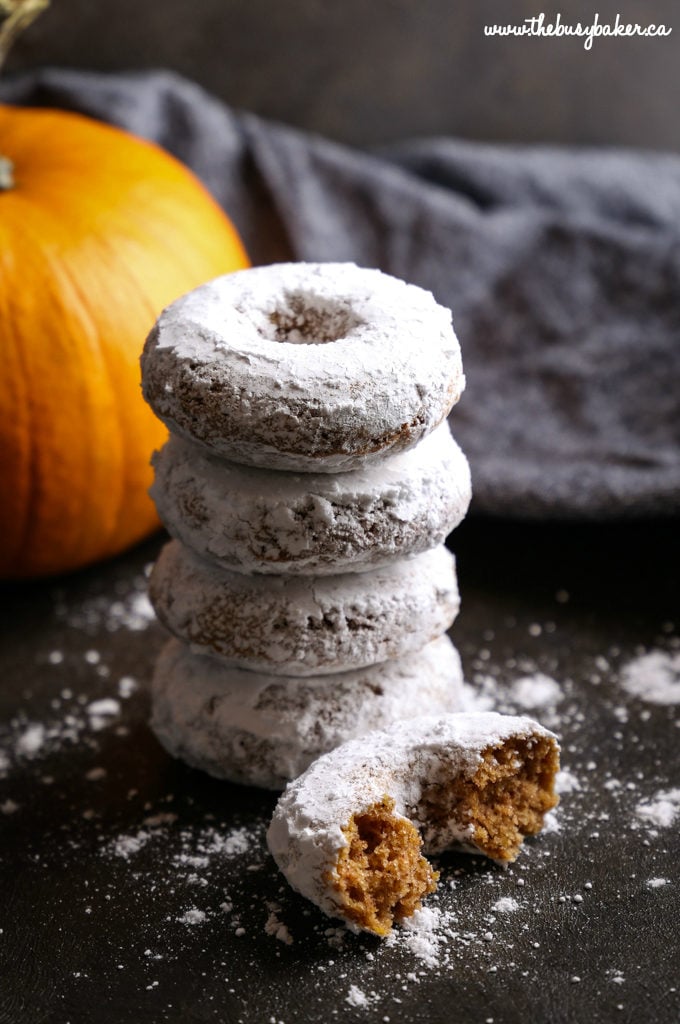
{"type": "Point", "coordinates": [653, 677]}
{"type": "Point", "coordinates": [264, 521]}
{"type": "Point", "coordinates": [567, 782]}
{"type": "Point", "coordinates": [520, 687]}
{"type": "Point", "coordinates": [505, 905]}
{"type": "Point", "coordinates": [127, 846]}
{"type": "Point", "coordinates": [662, 810]}
{"type": "Point", "coordinates": [192, 916]}
{"type": "Point", "coordinates": [423, 934]}
{"type": "Point", "coordinates": [131, 610]}
{"type": "Point", "coordinates": [536, 691]}
{"type": "Point", "coordinates": [31, 741]}
{"type": "Point", "coordinates": [196, 851]}
{"type": "Point", "coordinates": [73, 723]}
{"type": "Point", "coordinates": [222, 330]}
{"type": "Point", "coordinates": [551, 823]}
{"type": "Point", "coordinates": [189, 875]}
{"type": "Point", "coordinates": [236, 842]}
{"type": "Point", "coordinates": [356, 997]}
{"type": "Point", "coordinates": [274, 926]}
{"type": "Point", "coordinates": [102, 708]}
{"type": "Point", "coordinates": [305, 832]}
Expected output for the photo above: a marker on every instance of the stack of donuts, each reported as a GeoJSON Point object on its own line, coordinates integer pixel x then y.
{"type": "Point", "coordinates": [309, 483]}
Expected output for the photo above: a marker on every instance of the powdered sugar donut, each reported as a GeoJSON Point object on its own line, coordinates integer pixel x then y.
{"type": "Point", "coordinates": [305, 625]}
{"type": "Point", "coordinates": [348, 833]}
{"type": "Point", "coordinates": [263, 730]}
{"type": "Point", "coordinates": [318, 367]}
{"type": "Point", "coordinates": [257, 520]}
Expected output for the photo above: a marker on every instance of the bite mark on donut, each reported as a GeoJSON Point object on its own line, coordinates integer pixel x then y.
{"type": "Point", "coordinates": [504, 801]}
{"type": "Point", "coordinates": [381, 876]}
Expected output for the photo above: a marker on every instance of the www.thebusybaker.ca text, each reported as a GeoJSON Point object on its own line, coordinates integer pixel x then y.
{"type": "Point", "coordinates": [539, 26]}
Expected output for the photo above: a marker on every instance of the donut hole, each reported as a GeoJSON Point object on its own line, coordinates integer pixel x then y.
{"type": "Point", "coordinates": [504, 801]}
{"type": "Point", "coordinates": [302, 318]}
{"type": "Point", "coordinates": [380, 875]}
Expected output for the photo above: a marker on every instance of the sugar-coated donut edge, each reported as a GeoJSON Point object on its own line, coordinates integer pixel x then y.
{"type": "Point", "coordinates": [311, 407]}
{"type": "Point", "coordinates": [263, 730]}
{"type": "Point", "coordinates": [253, 520]}
{"type": "Point", "coordinates": [306, 832]}
{"type": "Point", "coordinates": [305, 625]}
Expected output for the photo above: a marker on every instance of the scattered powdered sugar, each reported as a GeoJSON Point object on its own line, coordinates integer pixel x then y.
{"type": "Point", "coordinates": [127, 686]}
{"type": "Point", "coordinates": [196, 849]}
{"type": "Point", "coordinates": [505, 905]}
{"type": "Point", "coordinates": [497, 688]}
{"type": "Point", "coordinates": [536, 691]}
{"type": "Point", "coordinates": [192, 916]}
{"type": "Point", "coordinates": [423, 934]}
{"type": "Point", "coordinates": [31, 741]}
{"type": "Point", "coordinates": [551, 823]}
{"type": "Point", "coordinates": [102, 708]}
{"type": "Point", "coordinates": [25, 739]}
{"type": "Point", "coordinates": [75, 721]}
{"type": "Point", "coordinates": [356, 997]}
{"type": "Point", "coordinates": [127, 846]}
{"type": "Point", "coordinates": [101, 711]}
{"type": "Point", "coordinates": [662, 810]}
{"type": "Point", "coordinates": [653, 677]}
{"type": "Point", "coordinates": [239, 840]}
{"type": "Point", "coordinates": [274, 926]}
{"type": "Point", "coordinates": [195, 862]}
{"type": "Point", "coordinates": [189, 867]}
{"type": "Point", "coordinates": [567, 782]}
{"type": "Point", "coordinates": [478, 698]}
{"type": "Point", "coordinates": [130, 609]}
{"type": "Point", "coordinates": [135, 614]}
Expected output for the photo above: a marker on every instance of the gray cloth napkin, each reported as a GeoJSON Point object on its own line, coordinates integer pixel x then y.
{"type": "Point", "coordinates": [562, 269]}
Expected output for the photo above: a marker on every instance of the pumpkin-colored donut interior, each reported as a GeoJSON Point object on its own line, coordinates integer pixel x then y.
{"type": "Point", "coordinates": [381, 875]}
{"type": "Point", "coordinates": [504, 801]}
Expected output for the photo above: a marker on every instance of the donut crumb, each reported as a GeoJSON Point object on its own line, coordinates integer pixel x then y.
{"type": "Point", "coordinates": [504, 801]}
{"type": "Point", "coordinates": [380, 875]}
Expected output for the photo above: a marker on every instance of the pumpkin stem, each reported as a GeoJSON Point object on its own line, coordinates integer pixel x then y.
{"type": "Point", "coordinates": [17, 15]}
{"type": "Point", "coordinates": [6, 174]}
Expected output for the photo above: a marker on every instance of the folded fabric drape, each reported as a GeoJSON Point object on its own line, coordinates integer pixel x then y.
{"type": "Point", "coordinates": [562, 268]}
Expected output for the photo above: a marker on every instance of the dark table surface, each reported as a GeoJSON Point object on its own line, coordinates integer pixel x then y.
{"type": "Point", "coordinates": [136, 889]}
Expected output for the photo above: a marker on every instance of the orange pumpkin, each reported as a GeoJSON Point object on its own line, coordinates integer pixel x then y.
{"type": "Point", "coordinates": [98, 232]}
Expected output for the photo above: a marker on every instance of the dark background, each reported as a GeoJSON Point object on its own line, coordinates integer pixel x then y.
{"type": "Point", "coordinates": [87, 937]}
{"type": "Point", "coordinates": [370, 72]}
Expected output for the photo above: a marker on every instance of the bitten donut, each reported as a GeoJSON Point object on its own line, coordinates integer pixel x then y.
{"type": "Point", "coordinates": [348, 833]}
{"type": "Point", "coordinates": [263, 730]}
{"type": "Point", "coordinates": [305, 625]}
{"type": "Point", "coordinates": [319, 367]}
{"type": "Point", "coordinates": [258, 520]}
